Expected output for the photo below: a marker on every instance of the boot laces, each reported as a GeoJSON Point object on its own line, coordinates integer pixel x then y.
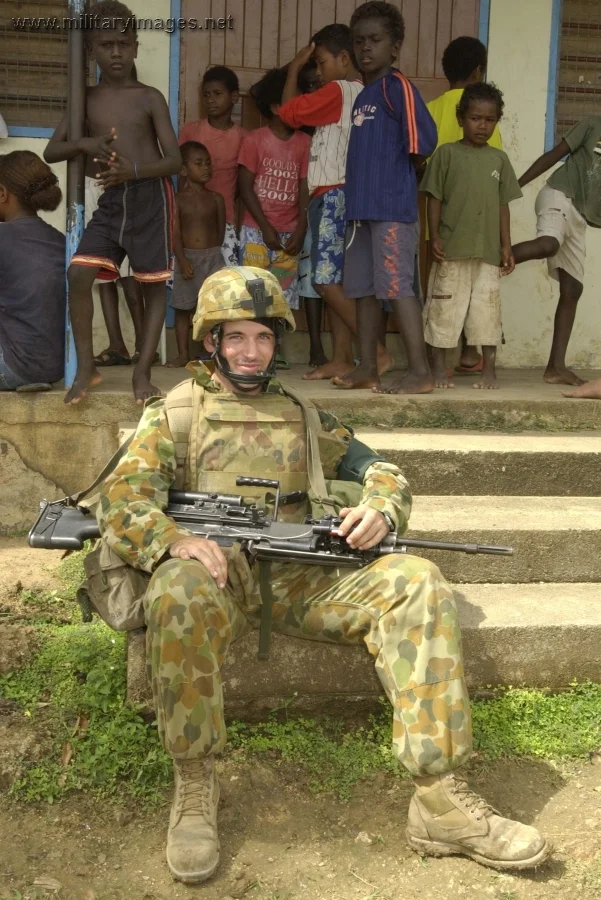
{"type": "Point", "coordinates": [470, 800]}
{"type": "Point", "coordinates": [196, 788]}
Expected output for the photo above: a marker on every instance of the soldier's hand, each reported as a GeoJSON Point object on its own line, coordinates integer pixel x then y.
{"type": "Point", "coordinates": [207, 552]}
{"type": "Point", "coordinates": [370, 527]}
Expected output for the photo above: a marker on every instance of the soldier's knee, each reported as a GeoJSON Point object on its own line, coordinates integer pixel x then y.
{"type": "Point", "coordinates": [407, 565]}
{"type": "Point", "coordinates": [174, 586]}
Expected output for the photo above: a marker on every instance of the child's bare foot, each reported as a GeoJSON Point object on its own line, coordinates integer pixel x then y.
{"type": "Point", "coordinates": [320, 359]}
{"type": "Point", "coordinates": [411, 384]}
{"type": "Point", "coordinates": [562, 376]}
{"type": "Point", "coordinates": [385, 362]}
{"type": "Point", "coordinates": [590, 390]}
{"type": "Point", "coordinates": [177, 362]}
{"type": "Point", "coordinates": [470, 358]}
{"type": "Point", "coordinates": [488, 382]}
{"type": "Point", "coordinates": [329, 370]}
{"type": "Point", "coordinates": [143, 389]}
{"type": "Point", "coordinates": [84, 379]}
{"type": "Point", "coordinates": [360, 377]}
{"type": "Point", "coordinates": [443, 381]}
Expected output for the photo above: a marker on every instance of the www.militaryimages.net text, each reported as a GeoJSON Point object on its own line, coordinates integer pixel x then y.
{"type": "Point", "coordinates": [88, 22]}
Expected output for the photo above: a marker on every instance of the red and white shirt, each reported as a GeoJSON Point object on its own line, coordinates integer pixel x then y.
{"type": "Point", "coordinates": [329, 109]}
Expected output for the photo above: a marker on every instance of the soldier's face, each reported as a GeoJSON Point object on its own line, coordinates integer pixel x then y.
{"type": "Point", "coordinates": [247, 346]}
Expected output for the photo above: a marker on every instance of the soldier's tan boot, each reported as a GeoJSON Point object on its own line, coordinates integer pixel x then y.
{"type": "Point", "coordinates": [192, 842]}
{"type": "Point", "coordinates": [447, 818]}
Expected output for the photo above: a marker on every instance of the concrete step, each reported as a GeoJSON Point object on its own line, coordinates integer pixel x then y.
{"type": "Point", "coordinates": [467, 462]}
{"type": "Point", "coordinates": [556, 539]}
{"type": "Point", "coordinates": [541, 636]}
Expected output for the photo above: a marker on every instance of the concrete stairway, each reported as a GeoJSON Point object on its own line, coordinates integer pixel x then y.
{"type": "Point", "coordinates": [533, 619]}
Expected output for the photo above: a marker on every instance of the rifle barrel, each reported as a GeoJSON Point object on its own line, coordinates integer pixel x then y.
{"type": "Point", "coordinates": [491, 550]}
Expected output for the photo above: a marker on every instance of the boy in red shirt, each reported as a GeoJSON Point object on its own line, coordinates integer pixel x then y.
{"type": "Point", "coordinates": [222, 138]}
{"type": "Point", "coordinates": [273, 162]}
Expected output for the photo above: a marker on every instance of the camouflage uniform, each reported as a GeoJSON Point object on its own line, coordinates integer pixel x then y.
{"type": "Point", "coordinates": [399, 606]}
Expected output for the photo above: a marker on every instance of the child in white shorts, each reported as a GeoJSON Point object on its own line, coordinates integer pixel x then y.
{"type": "Point", "coordinates": [469, 186]}
{"type": "Point", "coordinates": [568, 202]}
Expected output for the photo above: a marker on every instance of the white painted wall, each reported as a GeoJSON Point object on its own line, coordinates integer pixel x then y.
{"type": "Point", "coordinates": [519, 42]}
{"type": "Point", "coordinates": [153, 68]}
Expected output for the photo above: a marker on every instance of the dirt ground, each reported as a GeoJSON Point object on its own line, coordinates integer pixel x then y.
{"type": "Point", "coordinates": [278, 842]}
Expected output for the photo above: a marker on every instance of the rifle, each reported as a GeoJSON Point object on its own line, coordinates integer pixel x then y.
{"type": "Point", "coordinates": [228, 519]}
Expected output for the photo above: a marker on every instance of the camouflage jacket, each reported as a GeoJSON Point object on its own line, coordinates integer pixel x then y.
{"type": "Point", "coordinates": [133, 497]}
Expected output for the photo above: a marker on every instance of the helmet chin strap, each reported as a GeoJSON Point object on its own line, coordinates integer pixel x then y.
{"type": "Point", "coordinates": [244, 382]}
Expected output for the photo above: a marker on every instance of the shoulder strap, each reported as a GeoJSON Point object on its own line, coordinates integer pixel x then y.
{"type": "Point", "coordinates": [179, 405]}
{"type": "Point", "coordinates": [111, 465]}
{"type": "Point", "coordinates": [315, 469]}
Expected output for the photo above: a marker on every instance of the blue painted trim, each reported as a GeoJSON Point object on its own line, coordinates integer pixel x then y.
{"type": "Point", "coordinates": [26, 131]}
{"type": "Point", "coordinates": [174, 59]}
{"type": "Point", "coordinates": [484, 23]}
{"type": "Point", "coordinates": [553, 75]}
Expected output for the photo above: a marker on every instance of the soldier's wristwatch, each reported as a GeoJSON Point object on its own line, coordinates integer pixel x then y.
{"type": "Point", "coordinates": [389, 522]}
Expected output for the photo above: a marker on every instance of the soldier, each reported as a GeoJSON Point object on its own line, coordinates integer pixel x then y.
{"type": "Point", "coordinates": [233, 417]}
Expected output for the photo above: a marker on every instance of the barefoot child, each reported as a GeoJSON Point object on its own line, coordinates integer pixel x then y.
{"type": "Point", "coordinates": [463, 63]}
{"type": "Point", "coordinates": [391, 128]}
{"type": "Point", "coordinates": [329, 111]}
{"type": "Point", "coordinates": [273, 166]}
{"type": "Point", "coordinates": [197, 238]}
{"type": "Point", "coordinates": [566, 204]}
{"type": "Point", "coordinates": [116, 354]}
{"type": "Point", "coordinates": [222, 138]}
{"type": "Point", "coordinates": [127, 121]}
{"type": "Point", "coordinates": [469, 186]}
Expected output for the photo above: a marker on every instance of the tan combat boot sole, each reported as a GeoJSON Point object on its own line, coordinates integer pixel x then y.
{"type": "Point", "coordinates": [196, 877]}
{"type": "Point", "coordinates": [436, 848]}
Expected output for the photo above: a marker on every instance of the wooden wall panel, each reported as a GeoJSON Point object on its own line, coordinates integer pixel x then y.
{"type": "Point", "coordinates": [270, 31]}
{"type": "Point", "coordinates": [465, 17]}
{"type": "Point", "coordinates": [252, 36]}
{"type": "Point", "coordinates": [426, 45]}
{"type": "Point", "coordinates": [195, 58]}
{"type": "Point", "coordinates": [324, 13]}
{"type": "Point", "coordinates": [443, 34]}
{"type": "Point", "coordinates": [288, 23]}
{"type": "Point", "coordinates": [303, 24]}
{"type": "Point", "coordinates": [409, 50]}
{"type": "Point", "coordinates": [218, 35]}
{"type": "Point", "coordinates": [234, 38]}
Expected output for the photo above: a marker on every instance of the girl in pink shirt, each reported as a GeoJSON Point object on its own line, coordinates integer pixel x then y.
{"type": "Point", "coordinates": [274, 161]}
{"type": "Point", "coordinates": [222, 138]}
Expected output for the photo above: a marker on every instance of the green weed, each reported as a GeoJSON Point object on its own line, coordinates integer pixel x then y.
{"type": "Point", "coordinates": [530, 723]}
{"type": "Point", "coordinates": [75, 688]}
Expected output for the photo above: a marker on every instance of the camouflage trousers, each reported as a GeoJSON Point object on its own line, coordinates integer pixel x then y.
{"type": "Point", "coordinates": [399, 606]}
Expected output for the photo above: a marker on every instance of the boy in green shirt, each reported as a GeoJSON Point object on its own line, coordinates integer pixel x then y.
{"type": "Point", "coordinates": [568, 202]}
{"type": "Point", "coordinates": [469, 186]}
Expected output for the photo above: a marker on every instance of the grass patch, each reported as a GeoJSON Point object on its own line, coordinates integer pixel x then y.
{"type": "Point", "coordinates": [75, 689]}
{"type": "Point", "coordinates": [79, 677]}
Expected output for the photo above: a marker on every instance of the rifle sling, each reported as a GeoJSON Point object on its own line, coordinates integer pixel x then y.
{"type": "Point", "coordinates": [266, 608]}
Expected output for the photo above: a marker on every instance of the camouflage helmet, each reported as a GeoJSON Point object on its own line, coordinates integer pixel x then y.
{"type": "Point", "coordinates": [225, 297]}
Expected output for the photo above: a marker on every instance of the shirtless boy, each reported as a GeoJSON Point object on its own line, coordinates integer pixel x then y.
{"type": "Point", "coordinates": [126, 122]}
{"type": "Point", "coordinates": [197, 237]}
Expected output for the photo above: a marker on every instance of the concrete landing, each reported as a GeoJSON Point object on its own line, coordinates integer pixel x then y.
{"type": "Point", "coordinates": [556, 539]}
{"type": "Point", "coordinates": [523, 401]}
{"type": "Point", "coordinates": [542, 636]}
{"type": "Point", "coordinates": [469, 462]}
